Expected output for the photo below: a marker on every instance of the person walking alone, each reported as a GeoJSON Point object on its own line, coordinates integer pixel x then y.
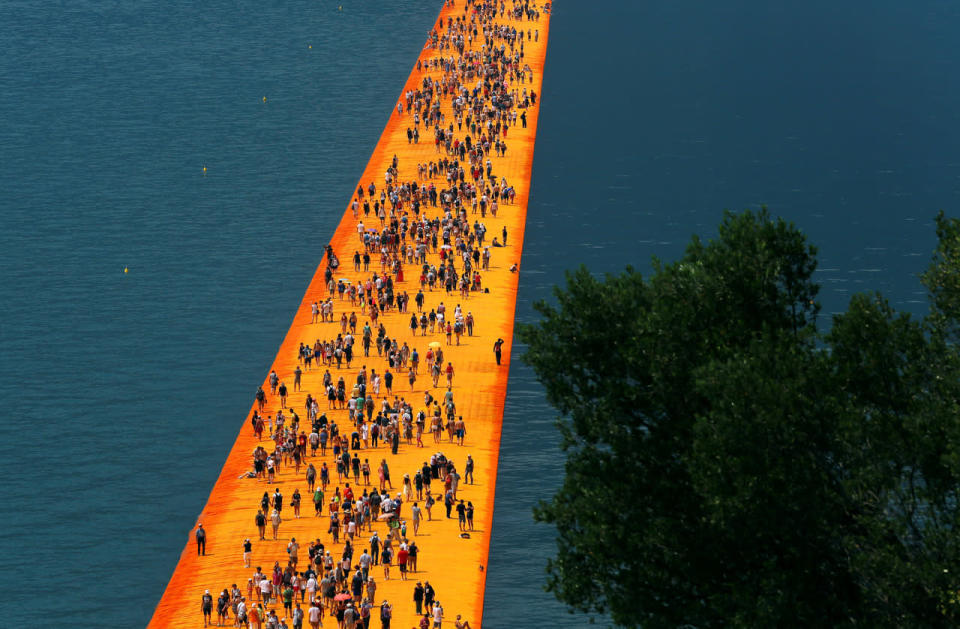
{"type": "Point", "coordinates": [201, 536]}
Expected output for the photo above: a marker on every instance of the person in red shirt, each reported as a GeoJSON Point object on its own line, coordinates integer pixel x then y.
{"type": "Point", "coordinates": [402, 556]}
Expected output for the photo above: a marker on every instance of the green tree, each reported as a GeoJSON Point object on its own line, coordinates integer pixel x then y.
{"type": "Point", "coordinates": [728, 466]}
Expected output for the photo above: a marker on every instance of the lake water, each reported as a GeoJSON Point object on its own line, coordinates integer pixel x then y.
{"type": "Point", "coordinates": [123, 393]}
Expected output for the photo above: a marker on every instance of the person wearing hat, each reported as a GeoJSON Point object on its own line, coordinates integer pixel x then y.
{"type": "Point", "coordinates": [266, 589]}
{"type": "Point", "coordinates": [206, 607]}
{"type": "Point", "coordinates": [363, 611]}
{"type": "Point", "coordinates": [418, 597]}
{"type": "Point", "coordinates": [201, 536]}
{"type": "Point", "coordinates": [312, 585]}
{"type": "Point", "coordinates": [223, 607]}
{"type": "Point", "coordinates": [242, 612]}
{"type": "Point", "coordinates": [272, 619]}
{"type": "Point", "coordinates": [386, 613]}
{"type": "Point", "coordinates": [350, 616]}
{"type": "Point", "coordinates": [256, 616]}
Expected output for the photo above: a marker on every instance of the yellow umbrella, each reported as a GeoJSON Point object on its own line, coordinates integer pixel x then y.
{"type": "Point", "coordinates": [434, 345]}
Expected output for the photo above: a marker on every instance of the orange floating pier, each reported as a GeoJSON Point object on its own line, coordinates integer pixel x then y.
{"type": "Point", "coordinates": [469, 66]}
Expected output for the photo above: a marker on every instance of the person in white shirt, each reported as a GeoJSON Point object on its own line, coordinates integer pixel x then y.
{"type": "Point", "coordinates": [437, 614]}
{"type": "Point", "coordinates": [365, 560]}
{"type": "Point", "coordinates": [275, 520]}
{"type": "Point", "coordinates": [265, 589]}
{"type": "Point", "coordinates": [314, 616]}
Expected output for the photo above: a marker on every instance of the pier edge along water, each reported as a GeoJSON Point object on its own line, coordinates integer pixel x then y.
{"type": "Point", "coordinates": [455, 565]}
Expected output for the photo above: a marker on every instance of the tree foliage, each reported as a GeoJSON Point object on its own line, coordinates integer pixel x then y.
{"type": "Point", "coordinates": [728, 465]}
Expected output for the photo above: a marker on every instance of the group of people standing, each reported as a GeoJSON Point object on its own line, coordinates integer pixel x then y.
{"type": "Point", "coordinates": [431, 217]}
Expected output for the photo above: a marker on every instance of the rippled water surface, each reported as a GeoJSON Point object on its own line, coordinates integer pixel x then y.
{"type": "Point", "coordinates": [122, 394]}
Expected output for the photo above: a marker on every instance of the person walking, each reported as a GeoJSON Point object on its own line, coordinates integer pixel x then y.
{"type": "Point", "coordinates": [402, 555]}
{"type": "Point", "coordinates": [415, 514]}
{"type": "Point", "coordinates": [315, 615]}
{"type": "Point", "coordinates": [298, 617]}
{"type": "Point", "coordinates": [261, 521]}
{"type": "Point", "coordinates": [206, 607]}
{"type": "Point", "coordinates": [318, 501]}
{"type": "Point", "coordinates": [412, 558]}
{"type": "Point", "coordinates": [449, 371]}
{"type": "Point", "coordinates": [201, 536]}
{"type": "Point", "coordinates": [498, 349]}
{"type": "Point", "coordinates": [375, 548]}
{"type": "Point", "coordinates": [428, 595]}
{"type": "Point", "coordinates": [386, 614]}
{"type": "Point", "coordinates": [248, 549]}
{"type": "Point", "coordinates": [275, 520]}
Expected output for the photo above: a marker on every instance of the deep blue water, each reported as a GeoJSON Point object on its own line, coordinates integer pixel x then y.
{"type": "Point", "coordinates": [122, 394]}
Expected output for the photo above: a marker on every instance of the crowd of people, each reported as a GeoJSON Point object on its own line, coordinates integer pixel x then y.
{"type": "Point", "coordinates": [427, 226]}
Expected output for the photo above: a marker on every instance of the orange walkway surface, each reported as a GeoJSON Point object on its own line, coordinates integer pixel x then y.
{"type": "Point", "coordinates": [455, 566]}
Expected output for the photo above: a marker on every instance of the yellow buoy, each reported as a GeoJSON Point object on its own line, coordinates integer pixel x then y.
{"type": "Point", "coordinates": [125, 269]}
{"type": "Point", "coordinates": [264, 99]}
{"type": "Point", "coordinates": [204, 170]}
{"type": "Point", "coordinates": [310, 47]}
